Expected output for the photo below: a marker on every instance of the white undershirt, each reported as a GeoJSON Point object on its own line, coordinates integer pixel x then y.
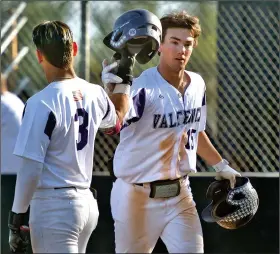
{"type": "Point", "coordinates": [27, 180]}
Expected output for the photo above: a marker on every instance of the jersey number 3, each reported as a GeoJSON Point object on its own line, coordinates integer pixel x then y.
{"type": "Point", "coordinates": [82, 127]}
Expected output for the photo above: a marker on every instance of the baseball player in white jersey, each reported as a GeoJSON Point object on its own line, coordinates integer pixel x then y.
{"type": "Point", "coordinates": [11, 114]}
{"type": "Point", "coordinates": [163, 131]}
{"type": "Point", "coordinates": [56, 144]}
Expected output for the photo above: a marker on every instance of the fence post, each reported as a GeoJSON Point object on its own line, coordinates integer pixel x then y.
{"type": "Point", "coordinates": [85, 42]}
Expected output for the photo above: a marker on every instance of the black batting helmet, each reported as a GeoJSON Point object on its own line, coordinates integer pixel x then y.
{"type": "Point", "coordinates": [139, 31]}
{"type": "Point", "coordinates": [231, 208]}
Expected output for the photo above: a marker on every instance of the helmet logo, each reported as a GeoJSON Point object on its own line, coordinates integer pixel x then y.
{"type": "Point", "coordinates": [132, 32]}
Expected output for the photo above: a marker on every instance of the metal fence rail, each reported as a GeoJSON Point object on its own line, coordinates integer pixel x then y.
{"type": "Point", "coordinates": [237, 55]}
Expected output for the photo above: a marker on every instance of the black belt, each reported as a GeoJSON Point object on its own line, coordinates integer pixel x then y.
{"type": "Point", "coordinates": [68, 187]}
{"type": "Point", "coordinates": [170, 181]}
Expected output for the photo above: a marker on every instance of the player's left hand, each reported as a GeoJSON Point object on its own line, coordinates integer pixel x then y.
{"type": "Point", "coordinates": [224, 171]}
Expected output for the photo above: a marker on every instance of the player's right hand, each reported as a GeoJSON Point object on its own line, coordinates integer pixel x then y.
{"type": "Point", "coordinates": [109, 79]}
{"type": "Point", "coordinates": [19, 239]}
{"type": "Point", "coordinates": [18, 234]}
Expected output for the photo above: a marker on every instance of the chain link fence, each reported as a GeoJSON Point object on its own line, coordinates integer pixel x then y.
{"type": "Point", "coordinates": [248, 91]}
{"type": "Point", "coordinates": [237, 55]}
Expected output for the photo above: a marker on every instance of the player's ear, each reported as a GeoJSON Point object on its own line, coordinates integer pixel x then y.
{"type": "Point", "coordinates": [160, 46]}
{"type": "Point", "coordinates": [75, 48]}
{"type": "Point", "coordinates": [159, 49]}
{"type": "Point", "coordinates": [195, 43]}
{"type": "Point", "coordinates": [39, 56]}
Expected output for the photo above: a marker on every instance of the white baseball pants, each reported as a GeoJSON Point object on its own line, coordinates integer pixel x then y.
{"type": "Point", "coordinates": [62, 220]}
{"type": "Point", "coordinates": [140, 220]}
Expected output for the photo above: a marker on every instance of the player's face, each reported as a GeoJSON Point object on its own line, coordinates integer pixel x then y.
{"type": "Point", "coordinates": [176, 49]}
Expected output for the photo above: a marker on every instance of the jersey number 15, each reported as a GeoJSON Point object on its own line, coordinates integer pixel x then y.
{"type": "Point", "coordinates": [190, 143]}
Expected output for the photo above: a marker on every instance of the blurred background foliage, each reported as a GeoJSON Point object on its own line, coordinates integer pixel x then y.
{"type": "Point", "coordinates": [103, 16]}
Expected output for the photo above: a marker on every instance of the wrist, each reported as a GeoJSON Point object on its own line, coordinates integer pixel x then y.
{"type": "Point", "coordinates": [15, 220]}
{"type": "Point", "coordinates": [122, 88]}
{"type": "Point", "coordinates": [220, 166]}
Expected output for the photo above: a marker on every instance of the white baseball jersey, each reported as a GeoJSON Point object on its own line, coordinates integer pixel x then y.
{"type": "Point", "coordinates": [11, 113]}
{"type": "Point", "coordinates": [59, 129]}
{"type": "Point", "coordinates": [159, 137]}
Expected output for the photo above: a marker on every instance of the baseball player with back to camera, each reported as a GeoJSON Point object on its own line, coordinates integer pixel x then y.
{"type": "Point", "coordinates": [162, 133]}
{"type": "Point", "coordinates": [56, 144]}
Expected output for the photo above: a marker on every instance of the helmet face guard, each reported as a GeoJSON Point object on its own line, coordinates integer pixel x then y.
{"type": "Point", "coordinates": [231, 208]}
{"type": "Point", "coordinates": [137, 31]}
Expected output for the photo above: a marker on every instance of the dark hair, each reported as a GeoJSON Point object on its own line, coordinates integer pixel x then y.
{"type": "Point", "coordinates": [55, 40]}
{"type": "Point", "coordinates": [181, 20]}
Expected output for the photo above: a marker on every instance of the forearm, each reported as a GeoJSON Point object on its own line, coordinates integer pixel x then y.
{"type": "Point", "coordinates": [26, 184]}
{"type": "Point", "coordinates": [121, 103]}
{"type": "Point", "coordinates": [206, 150]}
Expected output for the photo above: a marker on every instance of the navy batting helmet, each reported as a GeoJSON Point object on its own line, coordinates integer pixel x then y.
{"type": "Point", "coordinates": [231, 208]}
{"type": "Point", "coordinates": [139, 31]}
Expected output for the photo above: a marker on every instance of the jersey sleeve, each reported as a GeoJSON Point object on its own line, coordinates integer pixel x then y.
{"type": "Point", "coordinates": [108, 110]}
{"type": "Point", "coordinates": [139, 100]}
{"type": "Point", "coordinates": [38, 124]}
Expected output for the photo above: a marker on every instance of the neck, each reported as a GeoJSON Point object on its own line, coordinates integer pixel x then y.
{"type": "Point", "coordinates": [57, 74]}
{"type": "Point", "coordinates": [177, 79]}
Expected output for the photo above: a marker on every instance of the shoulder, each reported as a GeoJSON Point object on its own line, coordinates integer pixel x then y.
{"type": "Point", "coordinates": [197, 79]}
{"type": "Point", "coordinates": [92, 88]}
{"type": "Point", "coordinates": [97, 92]}
{"type": "Point", "coordinates": [42, 100]}
{"type": "Point", "coordinates": [195, 76]}
{"type": "Point", "coordinates": [146, 79]}
{"type": "Point", "coordinates": [38, 97]}
{"type": "Point", "coordinates": [97, 88]}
